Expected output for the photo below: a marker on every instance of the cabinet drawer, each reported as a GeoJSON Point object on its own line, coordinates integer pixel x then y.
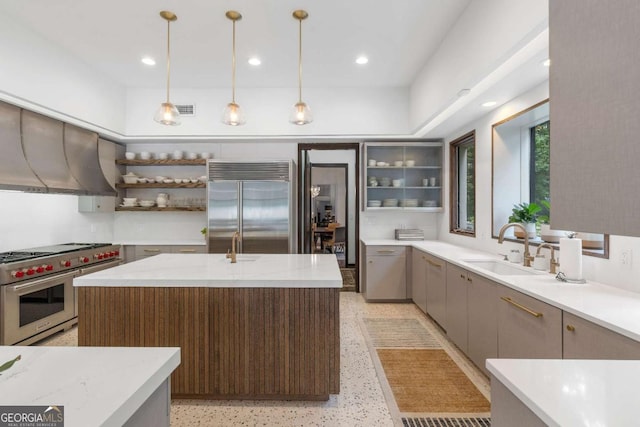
{"type": "Point", "coordinates": [527, 328]}
{"type": "Point", "coordinates": [386, 251]}
{"type": "Point", "coordinates": [586, 340]}
{"type": "Point", "coordinates": [188, 249]}
{"type": "Point", "coordinates": [150, 250]}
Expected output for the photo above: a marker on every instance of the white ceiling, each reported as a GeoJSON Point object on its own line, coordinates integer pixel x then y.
{"type": "Point", "coordinates": [398, 37]}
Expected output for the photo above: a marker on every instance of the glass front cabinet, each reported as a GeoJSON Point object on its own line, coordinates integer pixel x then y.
{"type": "Point", "coordinates": [405, 176]}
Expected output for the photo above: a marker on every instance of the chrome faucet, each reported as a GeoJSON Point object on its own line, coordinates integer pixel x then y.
{"type": "Point", "coordinates": [552, 263]}
{"type": "Point", "coordinates": [527, 256]}
{"type": "Point", "coordinates": [234, 243]}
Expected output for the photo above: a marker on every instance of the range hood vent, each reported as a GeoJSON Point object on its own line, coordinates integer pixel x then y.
{"type": "Point", "coordinates": [186, 109]}
{"type": "Point", "coordinates": [44, 155]}
{"type": "Point", "coordinates": [81, 151]}
{"type": "Point", "coordinates": [225, 170]}
{"type": "Point", "coordinates": [15, 173]}
{"type": "Point", "coordinates": [42, 142]}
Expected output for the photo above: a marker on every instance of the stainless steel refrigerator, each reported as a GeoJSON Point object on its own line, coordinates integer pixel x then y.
{"type": "Point", "coordinates": [254, 198]}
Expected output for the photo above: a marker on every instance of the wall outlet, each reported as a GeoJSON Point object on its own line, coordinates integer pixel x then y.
{"type": "Point", "coordinates": [626, 257]}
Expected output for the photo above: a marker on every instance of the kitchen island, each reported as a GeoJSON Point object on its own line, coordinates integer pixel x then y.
{"type": "Point", "coordinates": [266, 327]}
{"type": "Point", "coordinates": [90, 386]}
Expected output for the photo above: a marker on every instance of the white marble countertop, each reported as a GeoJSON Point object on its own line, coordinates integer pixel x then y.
{"type": "Point", "coordinates": [574, 392]}
{"type": "Point", "coordinates": [214, 270]}
{"type": "Point", "coordinates": [607, 306]}
{"type": "Point", "coordinates": [96, 385]}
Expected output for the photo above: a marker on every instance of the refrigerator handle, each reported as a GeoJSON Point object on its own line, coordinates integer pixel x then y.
{"type": "Point", "coordinates": [240, 222]}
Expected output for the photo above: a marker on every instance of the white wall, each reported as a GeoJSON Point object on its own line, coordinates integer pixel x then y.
{"type": "Point", "coordinates": [609, 271]}
{"type": "Point", "coordinates": [29, 219]}
{"type": "Point", "coordinates": [343, 111]}
{"type": "Point", "coordinates": [42, 77]}
{"type": "Point", "coordinates": [488, 33]}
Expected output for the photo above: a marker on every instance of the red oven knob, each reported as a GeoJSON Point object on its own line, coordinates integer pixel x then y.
{"type": "Point", "coordinates": [65, 263]}
{"type": "Point", "coordinates": [84, 259]}
{"type": "Point", "coordinates": [40, 269]}
{"type": "Point", "coordinates": [49, 267]}
{"type": "Point", "coordinates": [98, 256]}
{"type": "Point", "coordinates": [117, 253]}
{"type": "Point", "coordinates": [17, 274]}
{"type": "Point", "coordinates": [112, 254]}
{"type": "Point", "coordinates": [30, 271]}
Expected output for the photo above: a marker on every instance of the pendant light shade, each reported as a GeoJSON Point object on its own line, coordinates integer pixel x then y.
{"type": "Point", "coordinates": [301, 113]}
{"type": "Point", "coordinates": [168, 114]}
{"type": "Point", "coordinates": [233, 115]}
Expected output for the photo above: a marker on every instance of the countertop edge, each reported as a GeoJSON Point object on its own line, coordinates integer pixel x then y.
{"type": "Point", "coordinates": [131, 405]}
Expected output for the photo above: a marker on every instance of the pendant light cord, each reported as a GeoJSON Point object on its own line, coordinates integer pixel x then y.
{"type": "Point", "coordinates": [233, 65]}
{"type": "Point", "coordinates": [168, 57]}
{"type": "Point", "coordinates": [300, 61]}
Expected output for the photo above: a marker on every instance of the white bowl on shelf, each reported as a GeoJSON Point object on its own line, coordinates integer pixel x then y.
{"type": "Point", "coordinates": [410, 163]}
{"type": "Point", "coordinates": [145, 155]}
{"type": "Point", "coordinates": [129, 155]}
{"type": "Point", "coordinates": [167, 181]}
{"type": "Point", "coordinates": [374, 203]}
{"type": "Point", "coordinates": [398, 163]}
{"type": "Point", "coordinates": [147, 203]}
{"type": "Point", "coordinates": [163, 156]}
{"type": "Point", "coordinates": [130, 179]}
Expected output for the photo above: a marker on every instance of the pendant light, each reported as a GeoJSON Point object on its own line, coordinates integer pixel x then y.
{"type": "Point", "coordinates": [232, 115]}
{"type": "Point", "coordinates": [301, 114]}
{"type": "Point", "coordinates": [168, 114]}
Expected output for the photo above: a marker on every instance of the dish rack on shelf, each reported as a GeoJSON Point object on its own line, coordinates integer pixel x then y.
{"type": "Point", "coordinates": [409, 234]}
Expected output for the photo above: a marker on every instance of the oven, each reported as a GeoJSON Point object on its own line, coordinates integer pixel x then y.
{"type": "Point", "coordinates": [36, 306]}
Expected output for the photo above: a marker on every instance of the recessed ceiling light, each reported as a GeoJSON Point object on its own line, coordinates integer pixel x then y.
{"type": "Point", "coordinates": [361, 60]}
{"type": "Point", "coordinates": [255, 61]}
{"type": "Point", "coordinates": [547, 63]}
{"type": "Point", "coordinates": [489, 104]}
{"type": "Point", "coordinates": [147, 60]}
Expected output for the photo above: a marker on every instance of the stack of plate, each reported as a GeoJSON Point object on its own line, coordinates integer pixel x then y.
{"type": "Point", "coordinates": [384, 182]}
{"type": "Point", "coordinates": [409, 203]}
{"type": "Point", "coordinates": [374, 203]}
{"type": "Point", "coordinates": [390, 203]}
{"type": "Point", "coordinates": [430, 203]}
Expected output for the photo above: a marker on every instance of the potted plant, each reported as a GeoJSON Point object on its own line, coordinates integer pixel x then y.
{"type": "Point", "coordinates": [525, 214]}
{"type": "Point", "coordinates": [204, 232]}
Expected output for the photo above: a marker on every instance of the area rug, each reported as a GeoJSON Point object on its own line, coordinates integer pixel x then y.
{"type": "Point", "coordinates": [348, 279]}
{"type": "Point", "coordinates": [399, 333]}
{"type": "Point", "coordinates": [428, 380]}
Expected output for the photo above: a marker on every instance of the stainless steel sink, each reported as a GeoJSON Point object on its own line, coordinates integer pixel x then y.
{"type": "Point", "coordinates": [500, 267]}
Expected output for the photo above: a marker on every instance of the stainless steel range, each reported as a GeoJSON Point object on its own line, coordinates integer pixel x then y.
{"type": "Point", "coordinates": [37, 297]}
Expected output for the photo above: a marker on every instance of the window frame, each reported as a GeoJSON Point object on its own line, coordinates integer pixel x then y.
{"type": "Point", "coordinates": [454, 227]}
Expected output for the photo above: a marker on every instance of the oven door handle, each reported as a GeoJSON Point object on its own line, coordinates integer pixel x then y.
{"type": "Point", "coordinates": [20, 289]}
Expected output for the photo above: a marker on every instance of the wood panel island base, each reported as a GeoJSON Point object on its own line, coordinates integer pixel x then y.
{"type": "Point", "coordinates": [266, 331]}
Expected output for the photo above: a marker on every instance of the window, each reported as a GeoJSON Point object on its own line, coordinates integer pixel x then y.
{"type": "Point", "coordinates": [539, 164]}
{"type": "Point", "coordinates": [463, 185]}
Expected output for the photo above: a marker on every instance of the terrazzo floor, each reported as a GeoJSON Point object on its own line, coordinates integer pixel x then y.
{"type": "Point", "coordinates": [365, 397]}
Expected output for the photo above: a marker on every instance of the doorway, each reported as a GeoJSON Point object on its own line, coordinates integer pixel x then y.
{"type": "Point", "coordinates": [332, 170]}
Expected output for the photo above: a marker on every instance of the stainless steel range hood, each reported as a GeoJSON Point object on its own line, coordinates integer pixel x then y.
{"type": "Point", "coordinates": [40, 154]}
{"type": "Point", "coordinates": [15, 173]}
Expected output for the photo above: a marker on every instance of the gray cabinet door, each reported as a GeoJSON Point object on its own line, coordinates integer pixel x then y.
{"type": "Point", "coordinates": [419, 279]}
{"type": "Point", "coordinates": [482, 320]}
{"type": "Point", "coordinates": [527, 328]}
{"type": "Point", "coordinates": [457, 306]}
{"type": "Point", "coordinates": [437, 289]}
{"type": "Point", "coordinates": [386, 273]}
{"type": "Point", "coordinates": [594, 110]}
{"type": "Point", "coordinates": [585, 340]}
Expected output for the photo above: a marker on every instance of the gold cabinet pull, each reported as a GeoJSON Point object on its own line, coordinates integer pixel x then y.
{"type": "Point", "coordinates": [462, 276]}
{"type": "Point", "coordinates": [385, 251]}
{"type": "Point", "coordinates": [435, 264]}
{"type": "Point", "coordinates": [187, 250]}
{"type": "Point", "coordinates": [469, 279]}
{"type": "Point", "coordinates": [521, 307]}
{"type": "Point", "coordinates": [571, 328]}
{"type": "Point", "coordinates": [152, 250]}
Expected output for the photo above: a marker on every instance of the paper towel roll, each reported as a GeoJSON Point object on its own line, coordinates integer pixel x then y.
{"type": "Point", "coordinates": [571, 258]}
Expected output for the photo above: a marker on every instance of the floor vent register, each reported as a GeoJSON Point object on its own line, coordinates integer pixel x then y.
{"type": "Point", "coordinates": [446, 422]}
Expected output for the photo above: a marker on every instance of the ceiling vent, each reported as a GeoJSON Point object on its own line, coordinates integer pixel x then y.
{"type": "Point", "coordinates": [186, 109]}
